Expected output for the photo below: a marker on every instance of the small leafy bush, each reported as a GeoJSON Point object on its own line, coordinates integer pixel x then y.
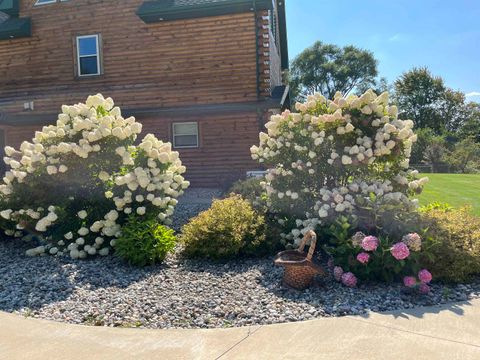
{"type": "Point", "coordinates": [229, 228]}
{"type": "Point", "coordinates": [457, 254]}
{"type": "Point", "coordinates": [250, 189]}
{"type": "Point", "coordinates": [377, 256]}
{"type": "Point", "coordinates": [144, 242]}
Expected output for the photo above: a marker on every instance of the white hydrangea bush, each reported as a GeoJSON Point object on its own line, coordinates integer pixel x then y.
{"type": "Point", "coordinates": [78, 181]}
{"type": "Point", "coordinates": [343, 157]}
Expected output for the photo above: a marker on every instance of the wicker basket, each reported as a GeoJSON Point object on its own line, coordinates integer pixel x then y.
{"type": "Point", "coordinates": [300, 270]}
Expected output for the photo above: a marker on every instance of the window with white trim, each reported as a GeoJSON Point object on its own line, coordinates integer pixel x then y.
{"type": "Point", "coordinates": [45, 2]}
{"type": "Point", "coordinates": [88, 55]}
{"type": "Point", "coordinates": [185, 135]}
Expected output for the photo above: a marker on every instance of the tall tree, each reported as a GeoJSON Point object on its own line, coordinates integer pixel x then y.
{"type": "Point", "coordinates": [471, 126]}
{"type": "Point", "coordinates": [326, 69]}
{"type": "Point", "coordinates": [420, 96]}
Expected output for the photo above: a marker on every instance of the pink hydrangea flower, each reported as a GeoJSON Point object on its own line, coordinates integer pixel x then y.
{"type": "Point", "coordinates": [348, 279]}
{"type": "Point", "coordinates": [400, 251]}
{"type": "Point", "coordinates": [363, 257]}
{"type": "Point", "coordinates": [337, 273]}
{"type": "Point", "coordinates": [424, 289]}
{"type": "Point", "coordinates": [409, 281]}
{"type": "Point", "coordinates": [370, 243]}
{"type": "Point", "coordinates": [425, 276]}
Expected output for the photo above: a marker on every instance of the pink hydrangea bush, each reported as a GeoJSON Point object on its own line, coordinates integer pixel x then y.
{"type": "Point", "coordinates": [370, 257]}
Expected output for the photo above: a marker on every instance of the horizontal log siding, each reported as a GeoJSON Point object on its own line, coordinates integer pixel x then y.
{"type": "Point", "coordinates": [222, 157]}
{"type": "Point", "coordinates": [197, 61]}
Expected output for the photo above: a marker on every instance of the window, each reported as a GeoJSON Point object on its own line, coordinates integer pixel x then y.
{"type": "Point", "coordinates": [185, 135]}
{"type": "Point", "coordinates": [44, 2]}
{"type": "Point", "coordinates": [88, 55]}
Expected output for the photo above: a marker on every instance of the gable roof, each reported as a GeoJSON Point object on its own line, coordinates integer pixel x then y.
{"type": "Point", "coordinates": [165, 10]}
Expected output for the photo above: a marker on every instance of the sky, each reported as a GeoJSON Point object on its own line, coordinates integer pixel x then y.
{"type": "Point", "coordinates": [443, 35]}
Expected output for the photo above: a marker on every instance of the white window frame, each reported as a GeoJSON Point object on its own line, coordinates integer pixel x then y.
{"type": "Point", "coordinates": [46, 2]}
{"type": "Point", "coordinates": [185, 146]}
{"type": "Point", "coordinates": [97, 38]}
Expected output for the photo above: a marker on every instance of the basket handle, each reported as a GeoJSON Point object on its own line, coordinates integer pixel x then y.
{"type": "Point", "coordinates": [310, 235]}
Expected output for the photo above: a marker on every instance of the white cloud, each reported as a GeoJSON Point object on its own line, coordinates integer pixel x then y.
{"type": "Point", "coordinates": [396, 38]}
{"type": "Point", "coordinates": [472, 94]}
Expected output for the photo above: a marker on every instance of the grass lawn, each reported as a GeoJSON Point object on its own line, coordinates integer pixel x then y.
{"type": "Point", "coordinates": [454, 189]}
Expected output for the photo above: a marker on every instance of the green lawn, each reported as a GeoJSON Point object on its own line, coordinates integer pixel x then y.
{"type": "Point", "coordinates": [454, 189]}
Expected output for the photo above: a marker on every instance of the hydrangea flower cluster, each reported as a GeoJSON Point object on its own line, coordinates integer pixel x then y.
{"type": "Point", "coordinates": [424, 278]}
{"type": "Point", "coordinates": [79, 180]}
{"type": "Point", "coordinates": [366, 255]}
{"type": "Point", "coordinates": [329, 158]}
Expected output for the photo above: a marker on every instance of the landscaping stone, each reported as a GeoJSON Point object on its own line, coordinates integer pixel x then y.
{"type": "Point", "coordinates": [185, 293]}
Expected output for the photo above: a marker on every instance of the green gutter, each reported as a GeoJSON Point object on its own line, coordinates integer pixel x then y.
{"type": "Point", "coordinates": [282, 27]}
{"type": "Point", "coordinates": [156, 11]}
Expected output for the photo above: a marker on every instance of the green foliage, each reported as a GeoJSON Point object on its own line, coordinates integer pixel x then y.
{"type": "Point", "coordinates": [465, 156]}
{"type": "Point", "coordinates": [456, 257]}
{"type": "Point", "coordinates": [249, 189]}
{"type": "Point", "coordinates": [326, 68]}
{"type": "Point", "coordinates": [382, 266]}
{"type": "Point", "coordinates": [229, 228]}
{"type": "Point", "coordinates": [144, 242]}
{"type": "Point", "coordinates": [426, 100]}
{"type": "Point", "coordinates": [471, 127]}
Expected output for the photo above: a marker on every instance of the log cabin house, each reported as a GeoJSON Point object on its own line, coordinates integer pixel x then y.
{"type": "Point", "coordinates": [202, 74]}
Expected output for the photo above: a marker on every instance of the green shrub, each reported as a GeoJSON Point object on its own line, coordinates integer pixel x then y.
{"type": "Point", "coordinates": [250, 189]}
{"type": "Point", "coordinates": [457, 253]}
{"type": "Point", "coordinates": [229, 228]}
{"type": "Point", "coordinates": [144, 242]}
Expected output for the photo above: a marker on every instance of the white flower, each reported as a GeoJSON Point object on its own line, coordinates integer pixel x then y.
{"type": "Point", "coordinates": [141, 210]}
{"type": "Point", "coordinates": [6, 213]}
{"type": "Point", "coordinates": [83, 231]}
{"type": "Point", "coordinates": [108, 194]}
{"type": "Point", "coordinates": [103, 175]}
{"type": "Point", "coordinates": [82, 214]}
{"type": "Point", "coordinates": [346, 160]}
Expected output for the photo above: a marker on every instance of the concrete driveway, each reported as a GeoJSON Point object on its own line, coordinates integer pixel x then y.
{"type": "Point", "coordinates": [443, 332]}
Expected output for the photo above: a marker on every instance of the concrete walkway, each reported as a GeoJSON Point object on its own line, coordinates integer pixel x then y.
{"type": "Point", "coordinates": [446, 332]}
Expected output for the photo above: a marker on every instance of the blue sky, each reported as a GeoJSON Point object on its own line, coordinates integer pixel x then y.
{"type": "Point", "coordinates": [443, 35]}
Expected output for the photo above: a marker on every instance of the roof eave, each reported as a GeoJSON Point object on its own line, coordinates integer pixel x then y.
{"type": "Point", "coordinates": [21, 28]}
{"type": "Point", "coordinates": [153, 11]}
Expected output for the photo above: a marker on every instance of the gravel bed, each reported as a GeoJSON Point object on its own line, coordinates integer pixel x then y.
{"type": "Point", "coordinates": [193, 202]}
{"type": "Point", "coordinates": [186, 294]}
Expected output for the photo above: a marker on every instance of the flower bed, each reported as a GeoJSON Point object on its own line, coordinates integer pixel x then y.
{"type": "Point", "coordinates": [188, 294]}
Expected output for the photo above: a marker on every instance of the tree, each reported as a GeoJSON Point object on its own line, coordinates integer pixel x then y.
{"type": "Point", "coordinates": [378, 86]}
{"type": "Point", "coordinates": [435, 153]}
{"type": "Point", "coordinates": [471, 126]}
{"type": "Point", "coordinates": [419, 95]}
{"type": "Point", "coordinates": [426, 100]}
{"type": "Point", "coordinates": [465, 156]}
{"type": "Point", "coordinates": [327, 68]}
